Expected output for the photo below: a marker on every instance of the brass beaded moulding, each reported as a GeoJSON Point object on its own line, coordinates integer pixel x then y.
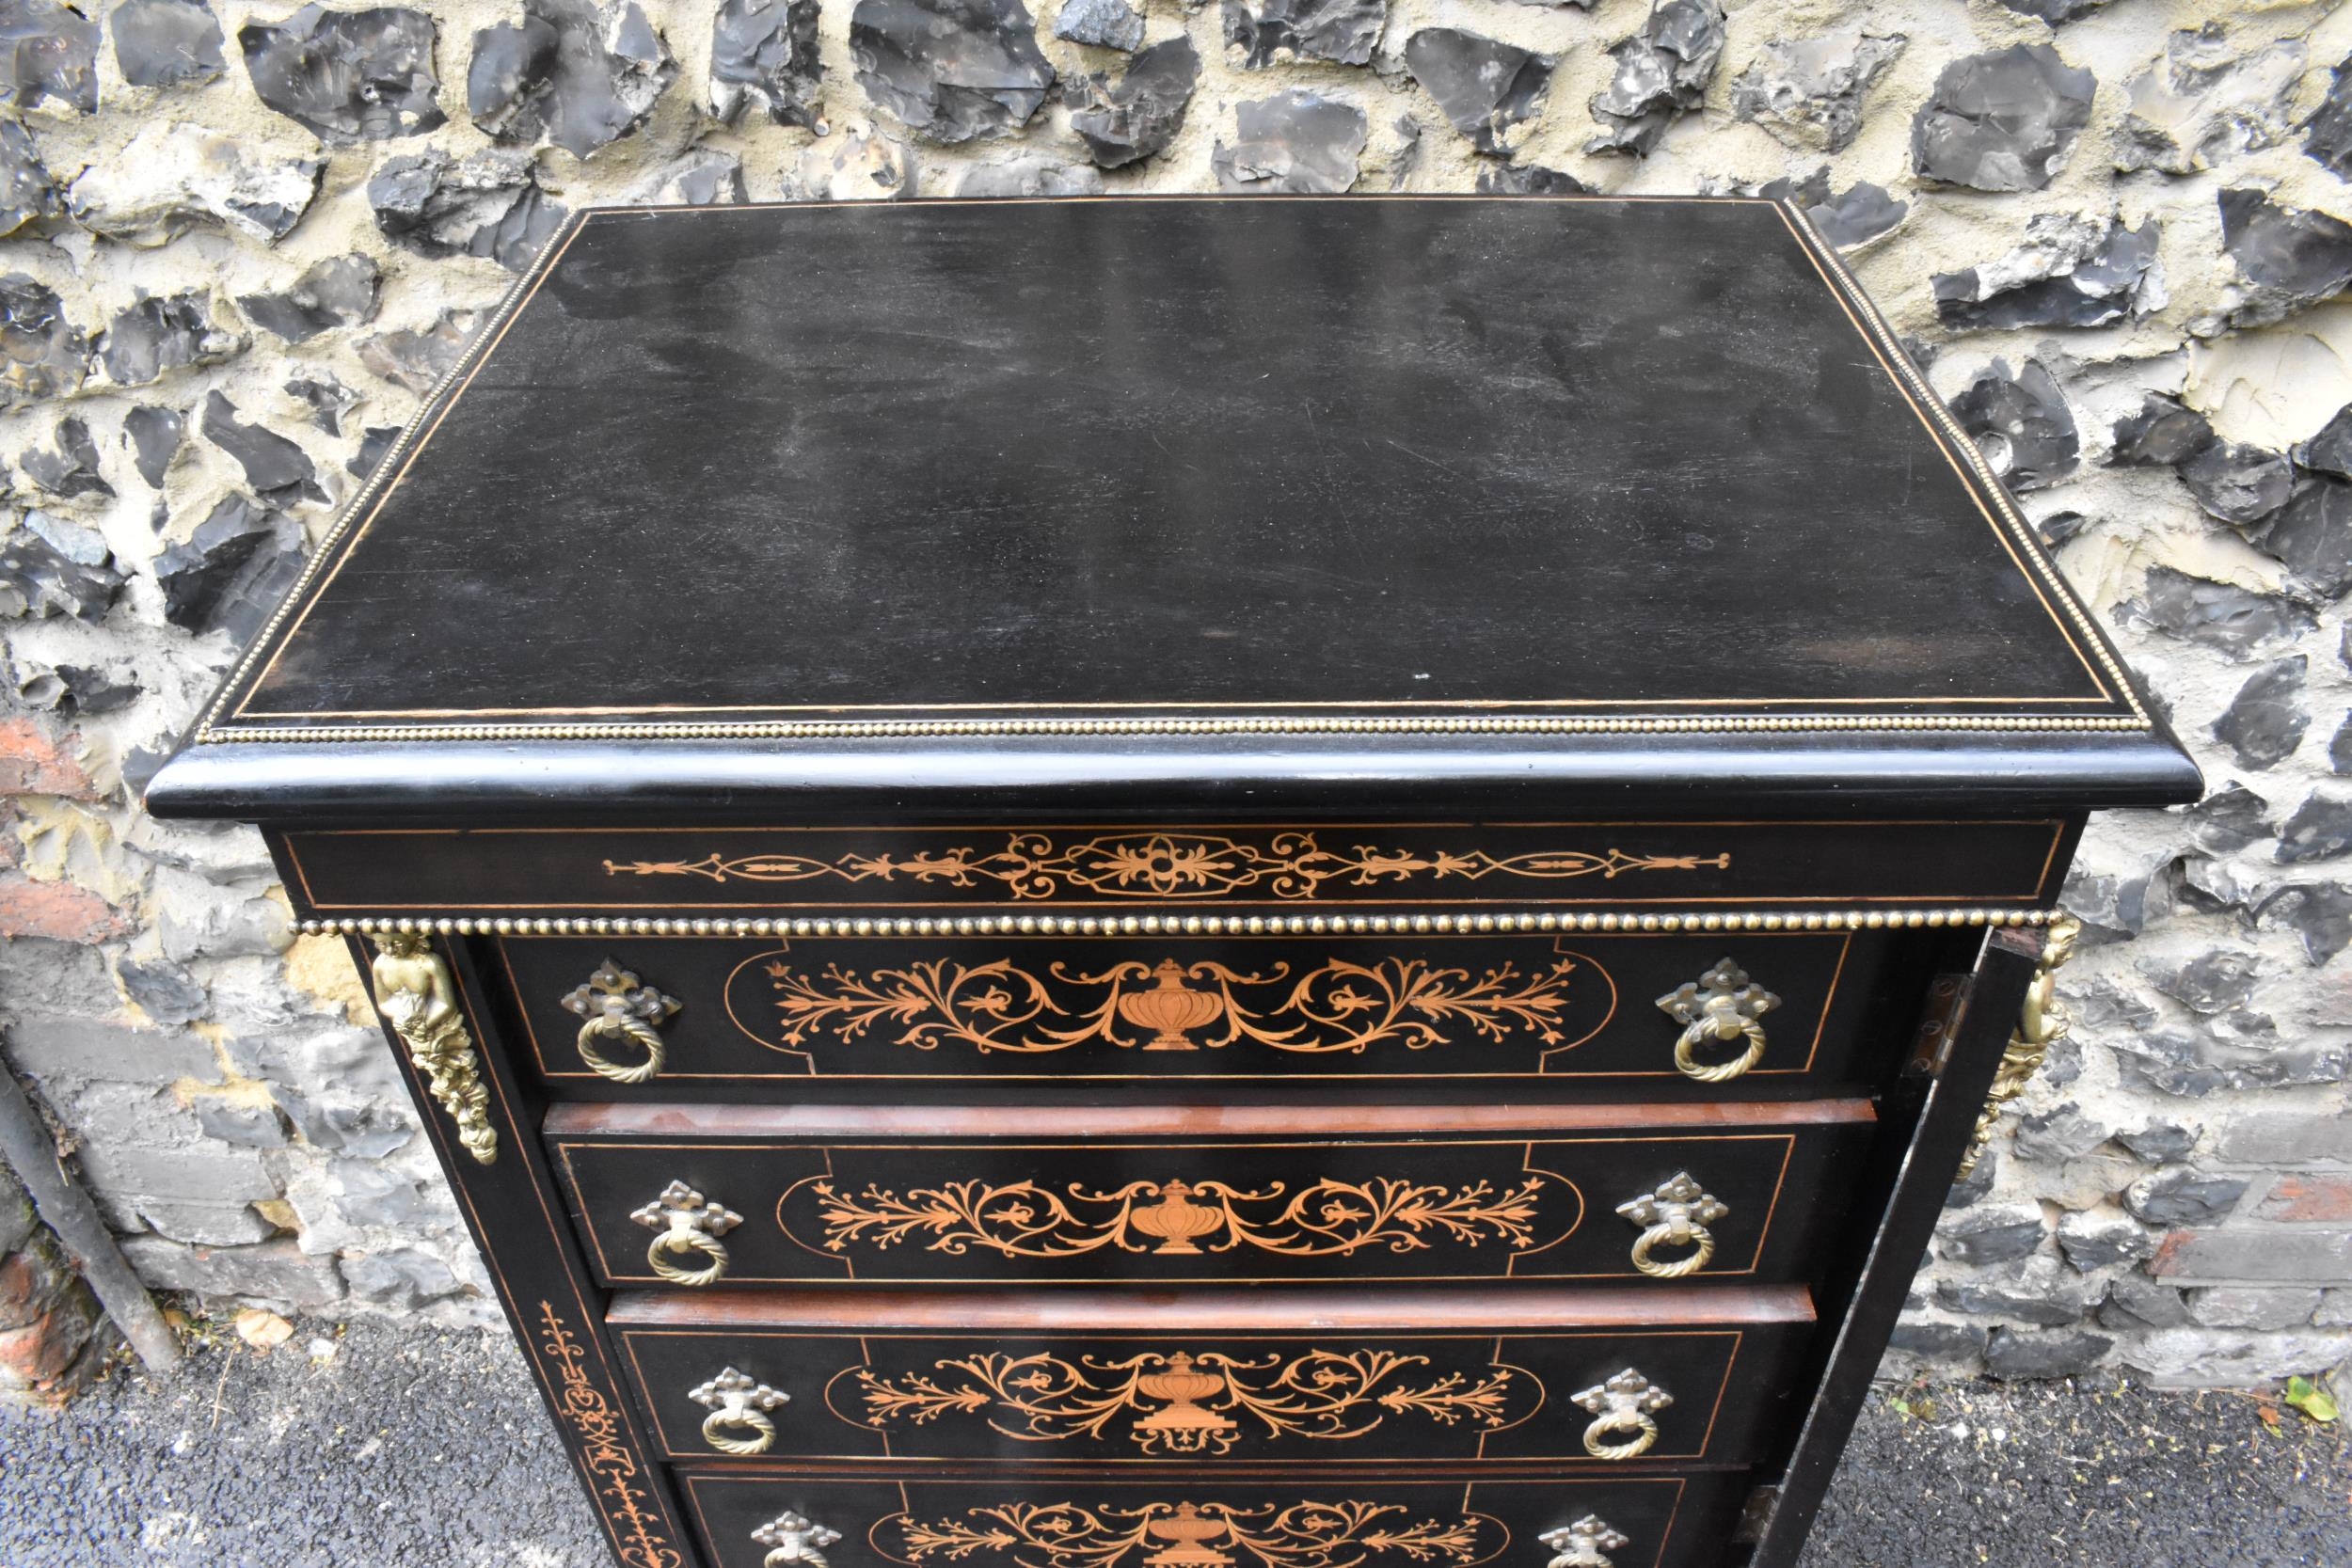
{"type": "Point", "coordinates": [1167, 925]}
{"type": "Point", "coordinates": [844, 729]}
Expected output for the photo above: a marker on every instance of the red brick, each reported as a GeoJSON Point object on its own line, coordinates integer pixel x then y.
{"type": "Point", "coordinates": [2308, 1197]}
{"type": "Point", "coordinates": [58, 911]}
{"type": "Point", "coordinates": [86, 1370]}
{"type": "Point", "coordinates": [2257, 1255]}
{"type": "Point", "coordinates": [41, 1351]}
{"type": "Point", "coordinates": [31, 763]}
{"type": "Point", "coordinates": [31, 1281]}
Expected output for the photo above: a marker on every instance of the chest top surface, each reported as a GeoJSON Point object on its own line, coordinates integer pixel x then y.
{"type": "Point", "coordinates": [1140, 466]}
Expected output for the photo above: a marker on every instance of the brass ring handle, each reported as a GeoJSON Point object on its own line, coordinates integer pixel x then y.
{"type": "Point", "coordinates": [1664, 1235]}
{"type": "Point", "coordinates": [647, 1038]}
{"type": "Point", "coordinates": [1636, 1421]}
{"type": "Point", "coordinates": [1720, 1005]}
{"type": "Point", "coordinates": [1624, 1403]}
{"type": "Point", "coordinates": [687, 1241]}
{"type": "Point", "coordinates": [738, 1403]}
{"type": "Point", "coordinates": [716, 1423]}
{"type": "Point", "coordinates": [1585, 1544]}
{"type": "Point", "coordinates": [794, 1539]}
{"type": "Point", "coordinates": [618, 1005]}
{"type": "Point", "coordinates": [1687, 1061]}
{"type": "Point", "coordinates": [1675, 1215]}
{"type": "Point", "coordinates": [688, 1224]}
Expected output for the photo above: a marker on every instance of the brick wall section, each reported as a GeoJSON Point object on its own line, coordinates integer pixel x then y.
{"type": "Point", "coordinates": [2133, 289]}
{"type": "Point", "coordinates": [53, 1338]}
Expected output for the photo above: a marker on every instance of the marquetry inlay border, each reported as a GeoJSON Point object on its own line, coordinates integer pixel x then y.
{"type": "Point", "coordinates": [2016, 535]}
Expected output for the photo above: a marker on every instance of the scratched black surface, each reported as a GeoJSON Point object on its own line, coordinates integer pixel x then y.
{"type": "Point", "coordinates": [1224, 452]}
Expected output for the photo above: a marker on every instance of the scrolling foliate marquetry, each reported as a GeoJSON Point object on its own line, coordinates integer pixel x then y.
{"type": "Point", "coordinates": [1176, 1403]}
{"type": "Point", "coordinates": [1200, 1535]}
{"type": "Point", "coordinates": [1338, 1006]}
{"type": "Point", "coordinates": [615, 1484]}
{"type": "Point", "coordinates": [1168, 865]}
{"type": "Point", "coordinates": [1329, 1218]}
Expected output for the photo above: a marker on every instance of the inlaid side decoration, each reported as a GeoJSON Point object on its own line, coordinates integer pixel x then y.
{"type": "Point", "coordinates": [1338, 1007]}
{"type": "Point", "coordinates": [416, 997]}
{"type": "Point", "coordinates": [1195, 1535]}
{"type": "Point", "coordinates": [620, 1007]}
{"type": "Point", "coordinates": [1325, 1219]}
{"type": "Point", "coordinates": [1175, 1402]}
{"type": "Point", "coordinates": [1164, 866]}
{"type": "Point", "coordinates": [614, 1485]}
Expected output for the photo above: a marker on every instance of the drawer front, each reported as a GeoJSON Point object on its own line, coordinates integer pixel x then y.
{"type": "Point", "coordinates": [891, 1015]}
{"type": "Point", "coordinates": [1285, 1521]}
{"type": "Point", "coordinates": [1304, 870]}
{"type": "Point", "coordinates": [1206, 1210]}
{"type": "Point", "coordinates": [1211, 1399]}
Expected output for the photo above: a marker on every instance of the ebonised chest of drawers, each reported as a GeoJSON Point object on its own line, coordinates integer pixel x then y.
{"type": "Point", "coordinates": [1182, 883]}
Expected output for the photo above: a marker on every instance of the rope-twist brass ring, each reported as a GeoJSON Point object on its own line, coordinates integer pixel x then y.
{"type": "Point", "coordinates": [1664, 1235]}
{"type": "Point", "coordinates": [673, 1241]}
{"type": "Point", "coordinates": [716, 1424]}
{"type": "Point", "coordinates": [1638, 1421]}
{"type": "Point", "coordinates": [647, 1038]}
{"type": "Point", "coordinates": [1687, 1061]}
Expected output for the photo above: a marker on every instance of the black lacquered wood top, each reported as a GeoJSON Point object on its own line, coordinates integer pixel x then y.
{"type": "Point", "coordinates": [1133, 466]}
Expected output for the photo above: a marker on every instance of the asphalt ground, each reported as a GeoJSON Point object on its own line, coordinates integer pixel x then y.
{"type": "Point", "coordinates": [409, 1450]}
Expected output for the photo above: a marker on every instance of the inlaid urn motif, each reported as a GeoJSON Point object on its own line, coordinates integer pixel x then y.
{"type": "Point", "coordinates": [1183, 1426]}
{"type": "Point", "coordinates": [1170, 1007]}
{"type": "Point", "coordinates": [1189, 1533]}
{"type": "Point", "coordinates": [1175, 1222]}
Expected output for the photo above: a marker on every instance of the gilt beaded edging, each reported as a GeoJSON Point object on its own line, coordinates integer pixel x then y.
{"type": "Point", "coordinates": [1170, 925]}
{"type": "Point", "coordinates": [1938, 414]}
{"type": "Point", "coordinates": [815, 729]}
{"type": "Point", "coordinates": [1868, 320]}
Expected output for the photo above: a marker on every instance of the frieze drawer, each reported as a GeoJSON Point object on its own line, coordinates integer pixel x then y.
{"type": "Point", "coordinates": [1307, 869]}
{"type": "Point", "coordinates": [1211, 1380]}
{"type": "Point", "coordinates": [1287, 1520]}
{"type": "Point", "coordinates": [693, 1195]}
{"type": "Point", "coordinates": [865, 1016]}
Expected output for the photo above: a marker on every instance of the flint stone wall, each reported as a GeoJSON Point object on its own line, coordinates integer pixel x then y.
{"type": "Point", "coordinates": [244, 239]}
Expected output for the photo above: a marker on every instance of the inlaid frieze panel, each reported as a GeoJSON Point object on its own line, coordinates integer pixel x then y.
{"type": "Point", "coordinates": [1302, 868]}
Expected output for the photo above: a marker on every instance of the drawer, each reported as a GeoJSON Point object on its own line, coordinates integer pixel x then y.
{"type": "Point", "coordinates": [876, 1195]}
{"type": "Point", "coordinates": [890, 1017]}
{"type": "Point", "coordinates": [1213, 1380]}
{"type": "Point", "coordinates": [625, 870]}
{"type": "Point", "coordinates": [1285, 1520]}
